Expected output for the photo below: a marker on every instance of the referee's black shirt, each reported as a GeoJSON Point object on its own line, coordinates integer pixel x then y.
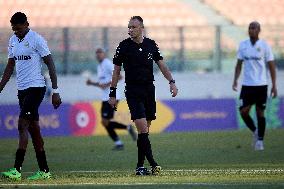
{"type": "Point", "coordinates": [137, 60]}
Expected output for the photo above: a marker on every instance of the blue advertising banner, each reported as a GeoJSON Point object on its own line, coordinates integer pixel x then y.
{"type": "Point", "coordinates": [82, 118]}
{"type": "Point", "coordinates": [203, 115]}
{"type": "Point", "coordinates": [52, 122]}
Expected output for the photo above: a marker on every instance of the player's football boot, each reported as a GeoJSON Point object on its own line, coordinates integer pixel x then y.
{"type": "Point", "coordinates": [142, 171]}
{"type": "Point", "coordinates": [156, 170]}
{"type": "Point", "coordinates": [13, 174]}
{"type": "Point", "coordinates": [118, 147]}
{"type": "Point", "coordinates": [259, 145]}
{"type": "Point", "coordinates": [40, 175]}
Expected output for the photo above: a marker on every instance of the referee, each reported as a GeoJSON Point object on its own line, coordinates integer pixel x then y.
{"type": "Point", "coordinates": [256, 55]}
{"type": "Point", "coordinates": [27, 51]}
{"type": "Point", "coordinates": [137, 55]}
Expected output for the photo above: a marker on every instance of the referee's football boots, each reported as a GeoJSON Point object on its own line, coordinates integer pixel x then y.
{"type": "Point", "coordinates": [156, 170]}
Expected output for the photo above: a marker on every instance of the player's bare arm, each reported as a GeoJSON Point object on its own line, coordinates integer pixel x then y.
{"type": "Point", "coordinates": [97, 84]}
{"type": "Point", "coordinates": [238, 70]}
{"type": "Point", "coordinates": [167, 74]}
{"type": "Point", "coordinates": [7, 73]}
{"type": "Point", "coordinates": [272, 70]}
{"type": "Point", "coordinates": [115, 78]}
{"type": "Point", "coordinates": [56, 100]}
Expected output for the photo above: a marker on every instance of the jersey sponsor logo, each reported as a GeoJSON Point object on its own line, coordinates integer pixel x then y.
{"type": "Point", "coordinates": [22, 57]}
{"type": "Point", "coordinates": [252, 58]}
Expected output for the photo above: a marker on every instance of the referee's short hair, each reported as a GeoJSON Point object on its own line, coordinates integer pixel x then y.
{"type": "Point", "coordinates": [139, 18]}
{"type": "Point", "coordinates": [19, 18]}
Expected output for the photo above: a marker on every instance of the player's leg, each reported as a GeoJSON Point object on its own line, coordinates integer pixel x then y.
{"type": "Point", "coordinates": [260, 113]}
{"type": "Point", "coordinates": [33, 100]}
{"type": "Point", "coordinates": [246, 101]}
{"type": "Point", "coordinates": [23, 124]}
{"type": "Point", "coordinates": [244, 111]}
{"type": "Point", "coordinates": [38, 144]}
{"type": "Point", "coordinates": [107, 113]}
{"type": "Point", "coordinates": [261, 122]}
{"type": "Point", "coordinates": [117, 125]}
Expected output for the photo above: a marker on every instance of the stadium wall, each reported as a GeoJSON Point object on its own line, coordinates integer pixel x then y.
{"type": "Point", "coordinates": [83, 118]}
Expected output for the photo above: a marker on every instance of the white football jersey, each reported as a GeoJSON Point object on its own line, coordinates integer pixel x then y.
{"type": "Point", "coordinates": [255, 58]}
{"type": "Point", "coordinates": [28, 54]}
{"type": "Point", "coordinates": [104, 73]}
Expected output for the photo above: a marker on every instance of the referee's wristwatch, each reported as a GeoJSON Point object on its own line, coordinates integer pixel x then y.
{"type": "Point", "coordinates": [172, 81]}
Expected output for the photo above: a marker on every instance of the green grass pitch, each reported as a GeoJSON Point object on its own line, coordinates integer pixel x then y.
{"type": "Point", "coordinates": [205, 160]}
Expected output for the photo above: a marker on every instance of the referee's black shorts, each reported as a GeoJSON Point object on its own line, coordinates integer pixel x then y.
{"type": "Point", "coordinates": [29, 101]}
{"type": "Point", "coordinates": [251, 95]}
{"type": "Point", "coordinates": [141, 101]}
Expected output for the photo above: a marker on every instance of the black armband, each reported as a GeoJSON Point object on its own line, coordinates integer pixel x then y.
{"type": "Point", "coordinates": [112, 92]}
{"type": "Point", "coordinates": [172, 81]}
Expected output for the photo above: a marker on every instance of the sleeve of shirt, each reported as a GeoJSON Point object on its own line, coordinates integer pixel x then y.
{"type": "Point", "coordinates": [110, 68]}
{"type": "Point", "coordinates": [118, 57]}
{"type": "Point", "coordinates": [10, 52]}
{"type": "Point", "coordinates": [268, 54]}
{"type": "Point", "coordinates": [41, 46]}
{"type": "Point", "coordinates": [239, 53]}
{"type": "Point", "coordinates": [157, 53]}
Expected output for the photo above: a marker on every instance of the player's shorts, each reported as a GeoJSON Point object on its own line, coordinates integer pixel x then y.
{"type": "Point", "coordinates": [141, 101]}
{"type": "Point", "coordinates": [29, 101]}
{"type": "Point", "coordinates": [107, 111]}
{"type": "Point", "coordinates": [251, 95]}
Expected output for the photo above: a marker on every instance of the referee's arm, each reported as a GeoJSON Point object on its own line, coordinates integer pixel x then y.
{"type": "Point", "coordinates": [167, 74]}
{"type": "Point", "coordinates": [115, 77]}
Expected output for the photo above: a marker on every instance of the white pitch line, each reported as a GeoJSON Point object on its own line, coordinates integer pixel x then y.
{"type": "Point", "coordinates": [184, 170]}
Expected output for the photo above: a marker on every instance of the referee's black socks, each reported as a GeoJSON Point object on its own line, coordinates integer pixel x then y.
{"type": "Point", "coordinates": [144, 144]}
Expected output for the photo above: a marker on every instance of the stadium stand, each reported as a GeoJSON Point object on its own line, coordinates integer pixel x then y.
{"type": "Point", "coordinates": [268, 12]}
{"type": "Point", "coordinates": [95, 13]}
{"type": "Point", "coordinates": [241, 12]}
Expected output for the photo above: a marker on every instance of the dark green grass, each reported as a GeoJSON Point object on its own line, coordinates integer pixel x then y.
{"type": "Point", "coordinates": [189, 160]}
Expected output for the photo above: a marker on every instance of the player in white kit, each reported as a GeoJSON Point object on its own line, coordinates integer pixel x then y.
{"type": "Point", "coordinates": [27, 51]}
{"type": "Point", "coordinates": [256, 55]}
{"type": "Point", "coordinates": [104, 72]}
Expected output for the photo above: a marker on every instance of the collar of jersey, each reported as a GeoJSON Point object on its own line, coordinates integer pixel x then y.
{"type": "Point", "coordinates": [138, 43]}
{"type": "Point", "coordinates": [26, 36]}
